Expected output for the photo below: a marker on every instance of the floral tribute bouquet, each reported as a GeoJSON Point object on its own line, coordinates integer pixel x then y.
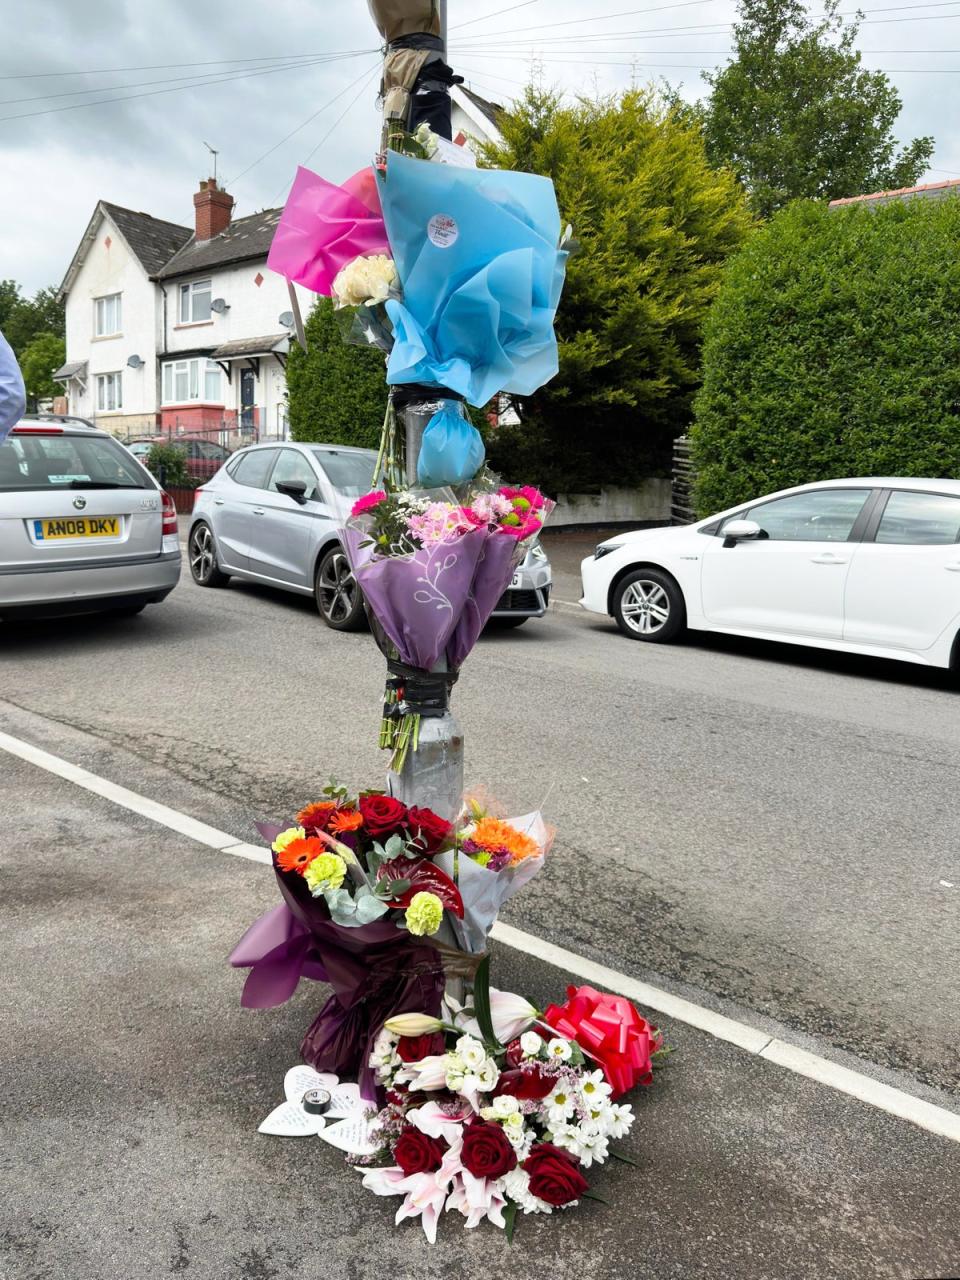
{"type": "Point", "coordinates": [499, 1109]}
{"type": "Point", "coordinates": [379, 900]}
{"type": "Point", "coordinates": [432, 570]}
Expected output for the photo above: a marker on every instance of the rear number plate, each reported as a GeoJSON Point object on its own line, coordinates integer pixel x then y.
{"type": "Point", "coordinates": [76, 527]}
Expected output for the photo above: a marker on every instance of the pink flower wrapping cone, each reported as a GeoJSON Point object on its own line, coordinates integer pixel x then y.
{"type": "Point", "coordinates": [324, 227]}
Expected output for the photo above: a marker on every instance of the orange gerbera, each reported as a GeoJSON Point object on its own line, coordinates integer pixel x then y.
{"type": "Point", "coordinates": [492, 833]}
{"type": "Point", "coordinates": [316, 816]}
{"type": "Point", "coordinates": [345, 820]}
{"type": "Point", "coordinates": [298, 854]}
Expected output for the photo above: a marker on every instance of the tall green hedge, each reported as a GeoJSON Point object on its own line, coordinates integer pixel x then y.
{"type": "Point", "coordinates": [833, 349]}
{"type": "Point", "coordinates": [337, 394]}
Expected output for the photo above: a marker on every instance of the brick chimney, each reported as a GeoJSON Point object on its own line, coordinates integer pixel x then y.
{"type": "Point", "coordinates": [213, 208]}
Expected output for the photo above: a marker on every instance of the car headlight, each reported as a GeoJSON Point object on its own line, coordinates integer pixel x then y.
{"type": "Point", "coordinates": [537, 553]}
{"type": "Point", "coordinates": [604, 549]}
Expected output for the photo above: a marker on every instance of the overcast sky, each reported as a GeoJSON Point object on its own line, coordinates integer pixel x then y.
{"type": "Point", "coordinates": [148, 152]}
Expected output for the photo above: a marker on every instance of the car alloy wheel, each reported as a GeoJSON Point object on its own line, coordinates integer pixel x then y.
{"type": "Point", "coordinates": [648, 605]}
{"type": "Point", "coordinates": [338, 594]}
{"type": "Point", "coordinates": [645, 607]}
{"type": "Point", "coordinates": [202, 555]}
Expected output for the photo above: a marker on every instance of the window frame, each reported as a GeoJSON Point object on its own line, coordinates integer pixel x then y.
{"type": "Point", "coordinates": [879, 510]}
{"type": "Point", "coordinates": [268, 475]}
{"type": "Point", "coordinates": [860, 532]}
{"type": "Point", "coordinates": [190, 370]}
{"type": "Point", "coordinates": [100, 387]}
{"type": "Point", "coordinates": [311, 495]}
{"type": "Point", "coordinates": [188, 294]}
{"type": "Point", "coordinates": [101, 301]}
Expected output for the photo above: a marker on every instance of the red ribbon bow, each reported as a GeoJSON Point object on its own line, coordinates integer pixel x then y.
{"type": "Point", "coordinates": [610, 1030]}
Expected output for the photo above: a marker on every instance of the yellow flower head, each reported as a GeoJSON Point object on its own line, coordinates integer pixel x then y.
{"type": "Point", "coordinates": [326, 871]}
{"type": "Point", "coordinates": [287, 837]}
{"type": "Point", "coordinates": [424, 914]}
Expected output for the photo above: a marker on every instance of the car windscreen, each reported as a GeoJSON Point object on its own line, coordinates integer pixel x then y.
{"type": "Point", "coordinates": [350, 473]}
{"type": "Point", "coordinates": [34, 462]}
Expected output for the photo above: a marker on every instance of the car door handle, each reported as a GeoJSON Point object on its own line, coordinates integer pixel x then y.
{"type": "Point", "coordinates": [258, 511]}
{"type": "Point", "coordinates": [952, 568]}
{"type": "Point", "coordinates": [827, 558]}
{"type": "Point", "coordinates": [219, 501]}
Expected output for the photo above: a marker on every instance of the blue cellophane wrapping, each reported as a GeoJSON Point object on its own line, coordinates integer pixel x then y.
{"type": "Point", "coordinates": [480, 295]}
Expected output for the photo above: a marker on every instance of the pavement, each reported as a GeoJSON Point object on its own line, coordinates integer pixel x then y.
{"type": "Point", "coordinates": [768, 831]}
{"type": "Point", "coordinates": [134, 1084]}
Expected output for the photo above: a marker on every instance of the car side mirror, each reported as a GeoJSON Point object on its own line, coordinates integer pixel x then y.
{"type": "Point", "coordinates": [295, 489]}
{"type": "Point", "coordinates": [739, 531]}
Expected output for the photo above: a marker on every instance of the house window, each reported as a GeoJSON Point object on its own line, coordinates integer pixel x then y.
{"type": "Point", "coordinates": [106, 316]}
{"type": "Point", "coordinates": [195, 301]}
{"type": "Point", "coordinates": [187, 380]}
{"type": "Point", "coordinates": [109, 392]}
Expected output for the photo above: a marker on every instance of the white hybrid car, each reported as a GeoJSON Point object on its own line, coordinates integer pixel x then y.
{"type": "Point", "coordinates": [865, 566]}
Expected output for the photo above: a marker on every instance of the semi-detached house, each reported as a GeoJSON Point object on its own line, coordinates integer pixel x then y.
{"type": "Point", "coordinates": [179, 330]}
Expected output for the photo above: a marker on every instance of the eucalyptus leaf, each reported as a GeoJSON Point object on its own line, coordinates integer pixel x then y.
{"type": "Point", "coordinates": [368, 907]}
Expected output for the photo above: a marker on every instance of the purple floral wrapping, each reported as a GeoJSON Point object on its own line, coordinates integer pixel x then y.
{"type": "Point", "coordinates": [418, 599]}
{"type": "Point", "coordinates": [501, 555]}
{"type": "Point", "coordinates": [375, 971]}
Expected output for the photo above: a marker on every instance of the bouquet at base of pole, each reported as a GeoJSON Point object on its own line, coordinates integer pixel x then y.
{"type": "Point", "coordinates": [494, 1111]}
{"type": "Point", "coordinates": [370, 907]}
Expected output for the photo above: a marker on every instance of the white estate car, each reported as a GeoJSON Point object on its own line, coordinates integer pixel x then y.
{"type": "Point", "coordinates": [866, 566]}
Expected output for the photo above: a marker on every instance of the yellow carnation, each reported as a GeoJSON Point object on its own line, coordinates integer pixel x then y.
{"type": "Point", "coordinates": [287, 837]}
{"type": "Point", "coordinates": [326, 871]}
{"type": "Point", "coordinates": [424, 914]}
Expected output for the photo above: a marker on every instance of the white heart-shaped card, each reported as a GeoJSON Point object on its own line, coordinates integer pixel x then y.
{"type": "Point", "coordinates": [345, 1102]}
{"type": "Point", "coordinates": [289, 1120]}
{"type": "Point", "coordinates": [301, 1078]}
{"type": "Point", "coordinates": [354, 1136]}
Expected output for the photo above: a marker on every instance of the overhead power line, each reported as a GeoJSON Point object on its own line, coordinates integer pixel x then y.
{"type": "Point", "coordinates": [151, 93]}
{"type": "Point", "coordinates": [176, 66]}
{"type": "Point", "coordinates": [487, 16]}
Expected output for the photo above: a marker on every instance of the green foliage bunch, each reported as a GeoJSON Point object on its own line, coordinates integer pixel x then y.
{"type": "Point", "coordinates": [337, 394]}
{"type": "Point", "coordinates": [833, 350]}
{"type": "Point", "coordinates": [170, 462]}
{"type": "Point", "coordinates": [655, 223]}
{"type": "Point", "coordinates": [44, 355]}
{"type": "Point", "coordinates": [794, 113]}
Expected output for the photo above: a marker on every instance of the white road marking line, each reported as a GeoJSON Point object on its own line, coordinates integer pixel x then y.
{"type": "Point", "coordinates": [874, 1093]}
{"type": "Point", "coordinates": [565, 604]}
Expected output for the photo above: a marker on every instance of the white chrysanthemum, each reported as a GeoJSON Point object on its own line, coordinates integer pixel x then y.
{"type": "Point", "coordinates": [471, 1052]}
{"type": "Point", "coordinates": [365, 281]}
{"type": "Point", "coordinates": [531, 1044]}
{"type": "Point", "coordinates": [594, 1086]}
{"type": "Point", "coordinates": [560, 1105]}
{"type": "Point", "coordinates": [559, 1049]}
{"type": "Point", "coordinates": [516, 1185]}
{"type": "Point", "coordinates": [619, 1118]}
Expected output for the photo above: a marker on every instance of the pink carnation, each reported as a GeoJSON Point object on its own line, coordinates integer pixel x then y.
{"type": "Point", "coordinates": [368, 502]}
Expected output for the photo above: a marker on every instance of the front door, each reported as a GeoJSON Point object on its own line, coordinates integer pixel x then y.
{"type": "Point", "coordinates": [904, 586]}
{"type": "Point", "coordinates": [790, 580]}
{"type": "Point", "coordinates": [248, 399]}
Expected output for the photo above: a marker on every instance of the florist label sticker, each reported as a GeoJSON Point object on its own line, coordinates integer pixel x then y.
{"type": "Point", "coordinates": [442, 231]}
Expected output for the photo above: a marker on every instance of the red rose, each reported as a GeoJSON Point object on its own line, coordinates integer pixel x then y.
{"type": "Point", "coordinates": [416, 1153]}
{"type": "Point", "coordinates": [514, 1054]}
{"type": "Point", "coordinates": [529, 1084]}
{"type": "Point", "coordinates": [554, 1174]}
{"type": "Point", "coordinates": [428, 829]}
{"type": "Point", "coordinates": [486, 1152]}
{"type": "Point", "coordinates": [414, 1048]}
{"type": "Point", "coordinates": [382, 815]}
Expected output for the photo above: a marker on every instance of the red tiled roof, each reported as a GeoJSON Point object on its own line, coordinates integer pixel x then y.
{"type": "Point", "coordinates": [925, 189]}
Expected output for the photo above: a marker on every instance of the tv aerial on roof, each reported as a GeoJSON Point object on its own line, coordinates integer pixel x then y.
{"type": "Point", "coordinates": [214, 153]}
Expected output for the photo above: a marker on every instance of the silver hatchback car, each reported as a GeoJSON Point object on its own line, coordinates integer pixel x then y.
{"type": "Point", "coordinates": [273, 515]}
{"type": "Point", "coordinates": [84, 527]}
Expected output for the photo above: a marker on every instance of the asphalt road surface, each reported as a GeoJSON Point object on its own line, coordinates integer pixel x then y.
{"type": "Point", "coordinates": [751, 823]}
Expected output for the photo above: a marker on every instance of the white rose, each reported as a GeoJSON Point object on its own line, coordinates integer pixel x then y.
{"type": "Point", "coordinates": [531, 1043]}
{"type": "Point", "coordinates": [471, 1052]}
{"type": "Point", "coordinates": [365, 281]}
{"type": "Point", "coordinates": [505, 1106]}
